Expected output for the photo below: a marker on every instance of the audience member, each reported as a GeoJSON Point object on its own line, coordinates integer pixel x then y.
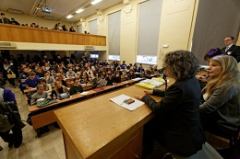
{"type": "Point", "coordinates": [76, 88]}
{"type": "Point", "coordinates": [213, 52]}
{"type": "Point", "coordinates": [221, 110]}
{"type": "Point", "coordinates": [64, 28]}
{"type": "Point", "coordinates": [32, 80]}
{"type": "Point", "coordinates": [59, 88]}
{"type": "Point", "coordinates": [72, 29]}
{"type": "Point", "coordinates": [14, 22]}
{"type": "Point", "coordinates": [40, 94]}
{"type": "Point", "coordinates": [177, 111]}
{"type": "Point", "coordinates": [230, 48]}
{"type": "Point", "coordinates": [8, 104]}
{"type": "Point", "coordinates": [4, 19]}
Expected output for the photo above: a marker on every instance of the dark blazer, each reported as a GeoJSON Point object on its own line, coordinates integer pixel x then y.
{"type": "Point", "coordinates": [178, 118]}
{"type": "Point", "coordinates": [233, 51]}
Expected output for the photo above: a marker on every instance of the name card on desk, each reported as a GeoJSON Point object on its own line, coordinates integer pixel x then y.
{"type": "Point", "coordinates": [127, 102]}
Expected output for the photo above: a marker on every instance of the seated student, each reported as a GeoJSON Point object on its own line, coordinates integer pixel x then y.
{"type": "Point", "coordinates": [123, 65]}
{"type": "Point", "coordinates": [202, 76]}
{"type": "Point", "coordinates": [76, 87]}
{"type": "Point", "coordinates": [59, 88]}
{"type": "Point", "coordinates": [101, 81]}
{"type": "Point", "coordinates": [48, 78]}
{"type": "Point", "coordinates": [176, 125]}
{"type": "Point", "coordinates": [109, 78]}
{"type": "Point", "coordinates": [117, 76]}
{"type": "Point", "coordinates": [70, 74]}
{"type": "Point", "coordinates": [31, 81]}
{"type": "Point", "coordinates": [39, 71]}
{"type": "Point", "coordinates": [220, 113]}
{"type": "Point", "coordinates": [140, 68]}
{"type": "Point", "coordinates": [68, 82]}
{"type": "Point", "coordinates": [41, 93]}
{"type": "Point", "coordinates": [47, 87]}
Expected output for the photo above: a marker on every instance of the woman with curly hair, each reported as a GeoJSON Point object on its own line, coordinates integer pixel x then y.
{"type": "Point", "coordinates": [176, 125]}
{"type": "Point", "coordinates": [220, 113]}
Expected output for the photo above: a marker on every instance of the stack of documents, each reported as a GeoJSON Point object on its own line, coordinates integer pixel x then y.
{"type": "Point", "coordinates": [122, 99]}
{"type": "Point", "coordinates": [151, 83]}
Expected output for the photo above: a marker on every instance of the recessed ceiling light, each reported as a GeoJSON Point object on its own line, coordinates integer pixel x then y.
{"type": "Point", "coordinates": [95, 2]}
{"type": "Point", "coordinates": [79, 10]}
{"type": "Point", "coordinates": [69, 16]}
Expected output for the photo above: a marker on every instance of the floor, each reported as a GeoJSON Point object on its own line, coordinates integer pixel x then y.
{"type": "Point", "coordinates": [49, 145]}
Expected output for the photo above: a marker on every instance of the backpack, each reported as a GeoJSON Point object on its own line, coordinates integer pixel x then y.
{"type": "Point", "coordinates": [5, 124]}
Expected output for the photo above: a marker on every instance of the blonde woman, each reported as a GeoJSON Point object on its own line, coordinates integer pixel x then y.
{"type": "Point", "coordinates": [220, 112]}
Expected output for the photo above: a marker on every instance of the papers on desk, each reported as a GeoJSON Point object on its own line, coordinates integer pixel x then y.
{"type": "Point", "coordinates": [122, 100]}
{"type": "Point", "coordinates": [137, 79]}
{"type": "Point", "coordinates": [84, 93]}
{"type": "Point", "coordinates": [151, 83]}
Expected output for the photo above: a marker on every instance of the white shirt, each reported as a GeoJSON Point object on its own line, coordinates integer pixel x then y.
{"type": "Point", "coordinates": [228, 47]}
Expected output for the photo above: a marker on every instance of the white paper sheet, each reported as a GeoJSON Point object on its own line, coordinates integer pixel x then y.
{"type": "Point", "coordinates": [119, 100]}
{"type": "Point", "coordinates": [84, 93]}
{"type": "Point", "coordinates": [137, 79]}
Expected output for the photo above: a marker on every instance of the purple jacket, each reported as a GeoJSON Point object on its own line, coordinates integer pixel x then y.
{"type": "Point", "coordinates": [8, 96]}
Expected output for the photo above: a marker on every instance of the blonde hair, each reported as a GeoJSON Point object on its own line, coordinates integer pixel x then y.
{"type": "Point", "coordinates": [229, 73]}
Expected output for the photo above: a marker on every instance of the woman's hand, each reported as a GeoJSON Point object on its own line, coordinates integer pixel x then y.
{"type": "Point", "coordinates": [140, 97]}
{"type": "Point", "coordinates": [148, 92]}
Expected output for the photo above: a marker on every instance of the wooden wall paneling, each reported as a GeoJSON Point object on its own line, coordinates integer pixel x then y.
{"type": "Point", "coordinates": [27, 34]}
{"type": "Point", "coordinates": [3, 34]}
{"type": "Point", "coordinates": [68, 38]}
{"type": "Point", "coordinates": [93, 40]}
{"type": "Point", "coordinates": [87, 40]}
{"type": "Point", "coordinates": [14, 34]}
{"type": "Point", "coordinates": [61, 38]}
{"type": "Point", "coordinates": [45, 37]}
{"type": "Point", "coordinates": [74, 39]}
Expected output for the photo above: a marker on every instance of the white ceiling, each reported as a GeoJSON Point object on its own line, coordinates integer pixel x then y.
{"type": "Point", "coordinates": [61, 8]}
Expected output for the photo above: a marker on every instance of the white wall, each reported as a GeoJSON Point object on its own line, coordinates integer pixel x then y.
{"type": "Point", "coordinates": [176, 26]}
{"type": "Point", "coordinates": [177, 19]}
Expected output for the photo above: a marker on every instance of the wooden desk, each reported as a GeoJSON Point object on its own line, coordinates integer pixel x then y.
{"type": "Point", "coordinates": [100, 129]}
{"type": "Point", "coordinates": [42, 116]}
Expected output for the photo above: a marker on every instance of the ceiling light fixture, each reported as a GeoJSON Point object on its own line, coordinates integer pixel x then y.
{"type": "Point", "coordinates": [80, 10]}
{"type": "Point", "coordinates": [69, 16]}
{"type": "Point", "coordinates": [95, 2]}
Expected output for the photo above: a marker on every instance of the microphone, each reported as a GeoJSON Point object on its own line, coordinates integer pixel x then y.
{"type": "Point", "coordinates": [165, 79]}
